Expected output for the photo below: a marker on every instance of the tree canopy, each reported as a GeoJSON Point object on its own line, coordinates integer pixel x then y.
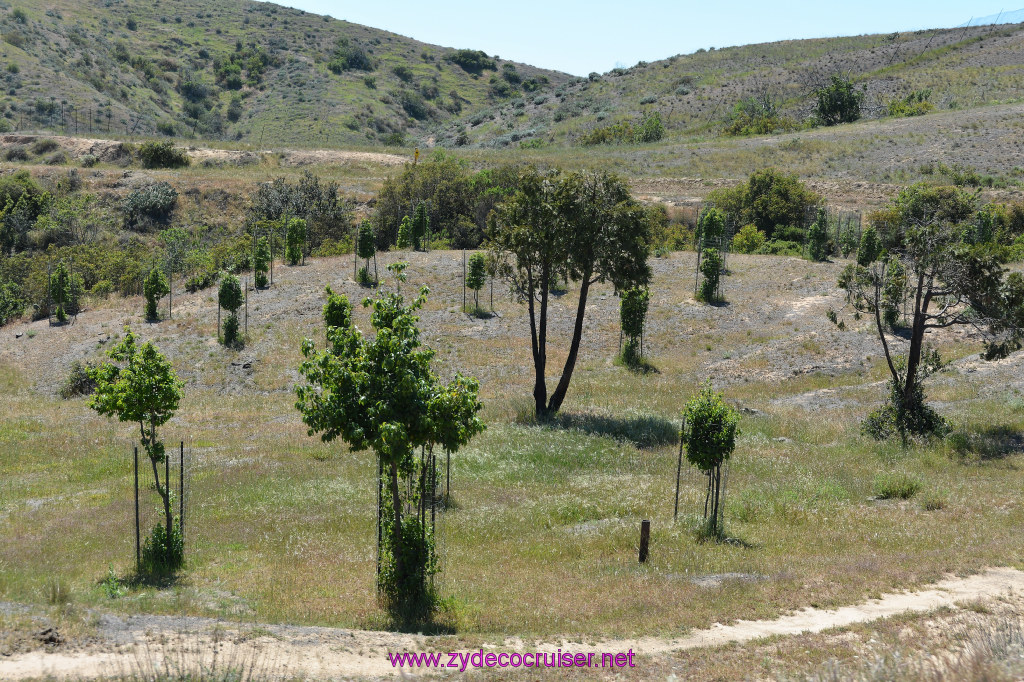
{"type": "Point", "coordinates": [576, 227]}
{"type": "Point", "coordinates": [934, 271]}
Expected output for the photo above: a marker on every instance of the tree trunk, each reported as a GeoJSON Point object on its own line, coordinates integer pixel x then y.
{"type": "Point", "coordinates": [921, 302]}
{"type": "Point", "coordinates": [396, 537]}
{"type": "Point", "coordinates": [165, 490]}
{"type": "Point", "coordinates": [540, 334]}
{"type": "Point", "coordinates": [570, 362]}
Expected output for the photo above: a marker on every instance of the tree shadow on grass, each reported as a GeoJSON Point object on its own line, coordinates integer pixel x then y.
{"type": "Point", "coordinates": [988, 443]}
{"type": "Point", "coordinates": [643, 431]}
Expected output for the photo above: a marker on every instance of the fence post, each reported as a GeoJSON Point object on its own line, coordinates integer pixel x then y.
{"type": "Point", "coordinates": [645, 537]}
{"type": "Point", "coordinates": [181, 493]}
{"type": "Point", "coordinates": [463, 280]}
{"type": "Point", "coordinates": [138, 551]}
{"type": "Point", "coordinates": [679, 469]}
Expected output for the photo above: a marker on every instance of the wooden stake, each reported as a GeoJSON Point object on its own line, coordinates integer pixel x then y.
{"type": "Point", "coordinates": [138, 550]}
{"type": "Point", "coordinates": [645, 538]}
{"type": "Point", "coordinates": [679, 470]}
{"type": "Point", "coordinates": [181, 491]}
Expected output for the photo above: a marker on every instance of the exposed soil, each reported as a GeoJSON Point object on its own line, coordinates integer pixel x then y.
{"type": "Point", "coordinates": [143, 643]}
{"type": "Point", "coordinates": [112, 150]}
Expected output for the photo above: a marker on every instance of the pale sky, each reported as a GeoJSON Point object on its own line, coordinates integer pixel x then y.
{"type": "Point", "coordinates": [598, 35]}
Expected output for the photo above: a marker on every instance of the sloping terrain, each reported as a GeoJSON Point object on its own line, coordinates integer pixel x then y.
{"type": "Point", "coordinates": [233, 70]}
{"type": "Point", "coordinates": [246, 72]}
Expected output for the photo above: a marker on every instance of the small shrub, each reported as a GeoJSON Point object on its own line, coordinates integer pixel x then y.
{"type": "Point", "coordinates": [78, 381]}
{"type": "Point", "coordinates": [914, 104]}
{"type": "Point", "coordinates": [162, 155]}
{"type": "Point", "coordinates": [154, 202]}
{"type": "Point", "coordinates": [57, 158]}
{"type": "Point", "coordinates": [296, 240]}
{"type": "Point", "coordinates": [154, 288]}
{"type": "Point", "coordinates": [896, 485]}
{"type": "Point", "coordinates": [711, 269]}
{"type": "Point", "coordinates": [870, 247]}
{"type": "Point", "coordinates": [839, 102]}
{"type": "Point", "coordinates": [45, 146]}
{"type": "Point", "coordinates": [12, 302]}
{"type": "Point", "coordinates": [748, 240]}
{"type": "Point", "coordinates": [162, 554]}
{"type": "Point", "coordinates": [16, 153]}
{"type": "Point", "coordinates": [231, 325]}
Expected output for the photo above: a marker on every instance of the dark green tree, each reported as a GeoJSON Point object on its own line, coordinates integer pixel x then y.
{"type": "Point", "coordinates": [295, 241]}
{"type": "Point", "coordinates": [711, 275]}
{"type": "Point", "coordinates": [230, 297]}
{"type": "Point", "coordinates": [477, 276]}
{"type": "Point", "coordinates": [65, 291]}
{"type": "Point", "coordinates": [632, 316]}
{"type": "Point", "coordinates": [870, 248]}
{"type": "Point", "coordinates": [366, 249]}
{"type": "Point", "coordinates": [839, 102]}
{"type": "Point", "coordinates": [420, 226]}
{"type": "Point", "coordinates": [143, 388]}
{"type": "Point", "coordinates": [578, 227]}
{"type": "Point", "coordinates": [817, 237]}
{"type": "Point", "coordinates": [154, 288]}
{"type": "Point", "coordinates": [261, 263]}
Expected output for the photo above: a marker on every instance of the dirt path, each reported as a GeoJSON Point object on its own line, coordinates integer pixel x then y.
{"type": "Point", "coordinates": [146, 642]}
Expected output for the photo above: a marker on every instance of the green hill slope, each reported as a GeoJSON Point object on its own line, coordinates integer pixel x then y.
{"type": "Point", "coordinates": [262, 74]}
{"type": "Point", "coordinates": [696, 94]}
{"type": "Point", "coordinates": [236, 70]}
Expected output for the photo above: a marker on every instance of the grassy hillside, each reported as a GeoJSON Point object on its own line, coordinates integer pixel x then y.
{"type": "Point", "coordinates": [234, 71]}
{"type": "Point", "coordinates": [695, 94]}
{"type": "Point", "coordinates": [265, 75]}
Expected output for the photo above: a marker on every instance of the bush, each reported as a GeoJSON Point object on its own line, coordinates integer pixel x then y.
{"type": "Point", "coordinates": [45, 146]}
{"type": "Point", "coordinates": [781, 247]}
{"type": "Point", "coordinates": [79, 381]}
{"type": "Point", "coordinates": [328, 215]}
{"type": "Point", "coordinates": [162, 155]}
{"type": "Point", "coordinates": [711, 269]}
{"type": "Point", "coordinates": [838, 102]}
{"type": "Point", "coordinates": [154, 288]}
{"type": "Point", "coordinates": [769, 198]}
{"type": "Point", "coordinates": [905, 418]}
{"type": "Point", "coordinates": [295, 240]}
{"type": "Point", "coordinates": [163, 555]}
{"type": "Point", "coordinates": [12, 302]}
{"type": "Point", "coordinates": [870, 247]}
{"type": "Point", "coordinates": [748, 240]}
{"type": "Point", "coordinates": [473, 61]}
{"type": "Point", "coordinates": [757, 116]}
{"type": "Point", "coordinates": [16, 153]}
{"type": "Point", "coordinates": [817, 238]}
{"type": "Point", "coordinates": [154, 202]}
{"type": "Point", "coordinates": [914, 104]}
